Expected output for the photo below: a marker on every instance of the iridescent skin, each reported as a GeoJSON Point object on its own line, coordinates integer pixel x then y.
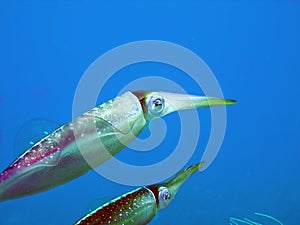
{"type": "Point", "coordinates": [91, 139]}
{"type": "Point", "coordinates": [141, 205]}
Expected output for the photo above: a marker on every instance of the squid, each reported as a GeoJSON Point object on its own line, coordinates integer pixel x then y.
{"type": "Point", "coordinates": [140, 206]}
{"type": "Point", "coordinates": [91, 139]}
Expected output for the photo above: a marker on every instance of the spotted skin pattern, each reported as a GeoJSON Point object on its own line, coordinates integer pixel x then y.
{"type": "Point", "coordinates": [42, 152]}
{"type": "Point", "coordinates": [61, 156]}
{"type": "Point", "coordinates": [137, 207]}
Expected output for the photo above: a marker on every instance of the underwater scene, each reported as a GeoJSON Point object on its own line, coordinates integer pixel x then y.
{"type": "Point", "coordinates": [155, 112]}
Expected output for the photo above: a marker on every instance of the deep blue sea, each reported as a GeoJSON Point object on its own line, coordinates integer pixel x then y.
{"type": "Point", "coordinates": [253, 50]}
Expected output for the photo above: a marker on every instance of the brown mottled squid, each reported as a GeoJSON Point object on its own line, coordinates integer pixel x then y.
{"type": "Point", "coordinates": [91, 139]}
{"type": "Point", "coordinates": [139, 207]}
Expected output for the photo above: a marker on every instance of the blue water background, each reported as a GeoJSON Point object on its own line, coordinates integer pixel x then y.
{"type": "Point", "coordinates": [252, 48]}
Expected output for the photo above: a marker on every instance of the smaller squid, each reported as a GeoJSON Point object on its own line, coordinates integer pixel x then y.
{"type": "Point", "coordinates": [139, 207]}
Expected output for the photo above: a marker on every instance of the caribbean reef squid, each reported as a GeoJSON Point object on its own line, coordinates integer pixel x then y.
{"type": "Point", "coordinates": [139, 207]}
{"type": "Point", "coordinates": [91, 139]}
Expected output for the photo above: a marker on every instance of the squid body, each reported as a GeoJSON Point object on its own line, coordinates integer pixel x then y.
{"type": "Point", "coordinates": [141, 205]}
{"type": "Point", "coordinates": [91, 139]}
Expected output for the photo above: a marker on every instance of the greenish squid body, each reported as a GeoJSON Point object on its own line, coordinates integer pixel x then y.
{"type": "Point", "coordinates": [136, 207]}
{"type": "Point", "coordinates": [139, 207]}
{"type": "Point", "coordinates": [91, 139]}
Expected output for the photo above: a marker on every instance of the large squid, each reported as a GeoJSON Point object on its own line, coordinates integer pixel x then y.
{"type": "Point", "coordinates": [91, 139]}
{"type": "Point", "coordinates": [139, 207]}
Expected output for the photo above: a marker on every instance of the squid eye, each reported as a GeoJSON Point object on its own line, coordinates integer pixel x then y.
{"type": "Point", "coordinates": [156, 105]}
{"type": "Point", "coordinates": [164, 196]}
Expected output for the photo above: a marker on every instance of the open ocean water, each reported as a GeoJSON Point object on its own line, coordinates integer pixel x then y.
{"type": "Point", "coordinates": [253, 49]}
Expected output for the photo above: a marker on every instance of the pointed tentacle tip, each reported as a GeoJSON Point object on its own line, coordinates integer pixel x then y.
{"type": "Point", "coordinates": [218, 101]}
{"type": "Point", "coordinates": [215, 101]}
{"type": "Point", "coordinates": [194, 168]}
{"type": "Point", "coordinates": [230, 102]}
{"type": "Point", "coordinates": [199, 165]}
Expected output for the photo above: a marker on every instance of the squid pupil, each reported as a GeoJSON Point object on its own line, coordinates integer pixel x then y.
{"type": "Point", "coordinates": [156, 105]}
{"type": "Point", "coordinates": [167, 196]}
{"type": "Point", "coordinates": [157, 102]}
